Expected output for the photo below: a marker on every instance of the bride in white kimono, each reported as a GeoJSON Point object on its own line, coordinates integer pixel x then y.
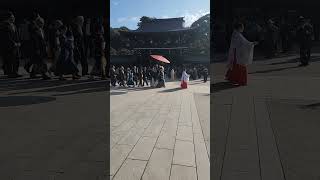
{"type": "Point", "coordinates": [239, 57]}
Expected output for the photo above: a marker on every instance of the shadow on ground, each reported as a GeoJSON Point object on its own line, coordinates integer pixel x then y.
{"type": "Point", "coordinates": [220, 86]}
{"type": "Point", "coordinates": [297, 137]}
{"type": "Point", "coordinates": [133, 88]}
{"type": "Point", "coordinates": [296, 60]}
{"type": "Point", "coordinates": [64, 87]}
{"type": "Point", "coordinates": [171, 90]}
{"type": "Point", "coordinates": [311, 106]}
{"type": "Point", "coordinates": [9, 101]}
{"type": "Point", "coordinates": [273, 70]}
{"type": "Point", "coordinates": [118, 93]}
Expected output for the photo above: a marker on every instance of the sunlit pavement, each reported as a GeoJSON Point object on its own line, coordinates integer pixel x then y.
{"type": "Point", "coordinates": [160, 133]}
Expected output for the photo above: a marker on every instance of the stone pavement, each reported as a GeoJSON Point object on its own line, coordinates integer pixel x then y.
{"type": "Point", "coordinates": [53, 130]}
{"type": "Point", "coordinates": [270, 128]}
{"type": "Point", "coordinates": [157, 134]}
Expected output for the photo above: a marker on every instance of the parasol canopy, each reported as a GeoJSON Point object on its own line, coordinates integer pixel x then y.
{"type": "Point", "coordinates": [160, 58]}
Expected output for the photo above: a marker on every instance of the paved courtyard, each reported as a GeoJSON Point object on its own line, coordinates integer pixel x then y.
{"type": "Point", "coordinates": [159, 134]}
{"type": "Point", "coordinates": [53, 130]}
{"type": "Point", "coordinates": [270, 128]}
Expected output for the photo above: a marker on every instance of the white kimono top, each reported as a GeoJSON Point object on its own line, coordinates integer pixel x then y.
{"type": "Point", "coordinates": [243, 47]}
{"type": "Point", "coordinates": [185, 76]}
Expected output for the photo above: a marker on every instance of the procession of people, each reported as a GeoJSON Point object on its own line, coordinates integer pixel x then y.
{"type": "Point", "coordinates": [155, 75]}
{"type": "Point", "coordinates": [52, 48]}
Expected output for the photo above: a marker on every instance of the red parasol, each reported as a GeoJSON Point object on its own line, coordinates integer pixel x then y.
{"type": "Point", "coordinates": [160, 58]}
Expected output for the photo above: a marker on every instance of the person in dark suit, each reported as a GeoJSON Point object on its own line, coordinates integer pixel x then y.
{"type": "Point", "coordinates": [39, 50]}
{"type": "Point", "coordinates": [304, 36]}
{"type": "Point", "coordinates": [79, 48]}
{"type": "Point", "coordinates": [10, 44]}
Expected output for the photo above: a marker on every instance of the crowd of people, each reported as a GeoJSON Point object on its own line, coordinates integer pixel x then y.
{"type": "Point", "coordinates": [52, 48]}
{"type": "Point", "coordinates": [277, 34]}
{"type": "Point", "coordinates": [154, 75]}
{"type": "Point", "coordinates": [241, 49]}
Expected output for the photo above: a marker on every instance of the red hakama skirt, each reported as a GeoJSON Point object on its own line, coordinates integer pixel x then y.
{"type": "Point", "coordinates": [237, 74]}
{"type": "Point", "coordinates": [184, 85]}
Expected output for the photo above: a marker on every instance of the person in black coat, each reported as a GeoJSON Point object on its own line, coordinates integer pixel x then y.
{"type": "Point", "coordinates": [65, 64]}
{"type": "Point", "coordinates": [10, 45]}
{"type": "Point", "coordinates": [145, 76]}
{"type": "Point", "coordinates": [99, 53]}
{"type": "Point", "coordinates": [39, 50]}
{"type": "Point", "coordinates": [121, 76]}
{"type": "Point", "coordinates": [140, 76]}
{"type": "Point", "coordinates": [113, 76]}
{"type": "Point", "coordinates": [161, 76]}
{"type": "Point", "coordinates": [205, 75]}
{"type": "Point", "coordinates": [304, 36]}
{"type": "Point", "coordinates": [79, 44]}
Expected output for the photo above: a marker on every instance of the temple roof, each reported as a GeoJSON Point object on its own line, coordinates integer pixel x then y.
{"type": "Point", "coordinates": [162, 25]}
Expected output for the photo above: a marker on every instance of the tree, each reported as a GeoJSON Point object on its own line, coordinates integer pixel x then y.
{"type": "Point", "coordinates": [123, 28]}
{"type": "Point", "coordinates": [201, 41]}
{"type": "Point", "coordinates": [145, 19]}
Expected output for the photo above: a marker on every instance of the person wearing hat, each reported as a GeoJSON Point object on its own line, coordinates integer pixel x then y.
{"type": "Point", "coordinates": [10, 44]}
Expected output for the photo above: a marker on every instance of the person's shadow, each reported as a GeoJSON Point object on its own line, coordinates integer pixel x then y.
{"type": "Point", "coordinates": [8, 101]}
{"type": "Point", "coordinates": [311, 106]}
{"type": "Point", "coordinates": [220, 86]}
{"type": "Point", "coordinates": [171, 90]}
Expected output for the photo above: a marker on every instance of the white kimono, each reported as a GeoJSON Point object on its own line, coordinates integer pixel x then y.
{"type": "Point", "coordinates": [172, 75]}
{"type": "Point", "coordinates": [243, 47]}
{"type": "Point", "coordinates": [185, 76]}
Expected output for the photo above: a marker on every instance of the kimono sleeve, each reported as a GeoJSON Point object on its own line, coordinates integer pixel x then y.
{"type": "Point", "coordinates": [247, 49]}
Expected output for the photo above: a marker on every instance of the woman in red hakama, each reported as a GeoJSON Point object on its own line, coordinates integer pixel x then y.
{"type": "Point", "coordinates": [184, 80]}
{"type": "Point", "coordinates": [240, 56]}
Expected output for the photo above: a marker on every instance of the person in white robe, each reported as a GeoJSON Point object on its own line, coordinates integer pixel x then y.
{"type": "Point", "coordinates": [240, 55]}
{"type": "Point", "coordinates": [172, 75]}
{"type": "Point", "coordinates": [184, 79]}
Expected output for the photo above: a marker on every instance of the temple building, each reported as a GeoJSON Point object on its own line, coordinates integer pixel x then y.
{"type": "Point", "coordinates": [168, 37]}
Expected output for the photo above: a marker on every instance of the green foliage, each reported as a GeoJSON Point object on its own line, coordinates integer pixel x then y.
{"type": "Point", "coordinates": [201, 41]}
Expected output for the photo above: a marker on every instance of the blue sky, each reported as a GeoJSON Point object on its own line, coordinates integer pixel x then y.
{"type": "Point", "coordinates": [128, 12]}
